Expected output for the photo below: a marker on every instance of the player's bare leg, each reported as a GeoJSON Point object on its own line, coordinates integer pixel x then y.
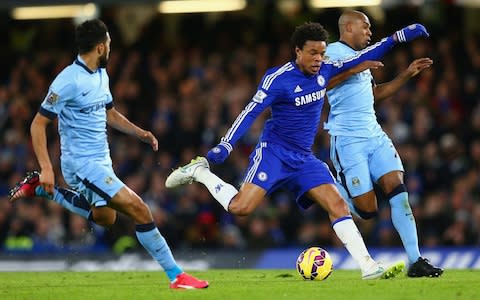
{"type": "Point", "coordinates": [129, 203]}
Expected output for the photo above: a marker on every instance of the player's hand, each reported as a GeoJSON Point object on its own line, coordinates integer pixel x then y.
{"type": "Point", "coordinates": [219, 153]}
{"type": "Point", "coordinates": [339, 78]}
{"type": "Point", "coordinates": [418, 65]}
{"type": "Point", "coordinates": [410, 33]}
{"type": "Point", "coordinates": [149, 138]}
{"type": "Point", "coordinates": [368, 64]}
{"type": "Point", "coordinates": [47, 180]}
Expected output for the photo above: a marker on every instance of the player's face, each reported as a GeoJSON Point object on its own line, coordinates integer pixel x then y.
{"type": "Point", "coordinates": [105, 52]}
{"type": "Point", "coordinates": [361, 33]}
{"type": "Point", "coordinates": [310, 57]}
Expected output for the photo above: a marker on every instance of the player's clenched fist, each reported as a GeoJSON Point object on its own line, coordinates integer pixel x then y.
{"type": "Point", "coordinates": [219, 153]}
{"type": "Point", "coordinates": [410, 33]}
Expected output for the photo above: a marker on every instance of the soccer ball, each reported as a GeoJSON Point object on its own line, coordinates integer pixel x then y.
{"type": "Point", "coordinates": [314, 263]}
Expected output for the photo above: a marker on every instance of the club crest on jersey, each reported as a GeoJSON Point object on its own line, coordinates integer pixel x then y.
{"type": "Point", "coordinates": [259, 96]}
{"type": "Point", "coordinates": [355, 181]}
{"type": "Point", "coordinates": [52, 98]}
{"type": "Point", "coordinates": [262, 176]}
{"type": "Point", "coordinates": [320, 80]}
{"type": "Point", "coordinates": [337, 63]}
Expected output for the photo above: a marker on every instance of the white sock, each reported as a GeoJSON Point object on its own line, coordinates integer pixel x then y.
{"type": "Point", "coordinates": [222, 192]}
{"type": "Point", "coordinates": [351, 238]}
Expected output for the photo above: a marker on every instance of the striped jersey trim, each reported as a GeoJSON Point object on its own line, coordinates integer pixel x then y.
{"type": "Point", "coordinates": [359, 53]}
{"type": "Point", "coordinates": [256, 162]}
{"type": "Point", "coordinates": [401, 36]}
{"type": "Point", "coordinates": [270, 78]}
{"type": "Point", "coordinates": [227, 146]}
{"type": "Point", "coordinates": [238, 121]}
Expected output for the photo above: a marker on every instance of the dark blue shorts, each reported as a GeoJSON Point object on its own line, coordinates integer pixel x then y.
{"type": "Point", "coordinates": [273, 166]}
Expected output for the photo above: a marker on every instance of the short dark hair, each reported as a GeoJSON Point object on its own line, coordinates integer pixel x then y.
{"type": "Point", "coordinates": [89, 34]}
{"type": "Point", "coordinates": [310, 31]}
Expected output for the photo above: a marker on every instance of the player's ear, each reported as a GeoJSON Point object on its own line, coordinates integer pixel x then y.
{"type": "Point", "coordinates": [348, 27]}
{"type": "Point", "coordinates": [101, 48]}
{"type": "Point", "coordinates": [298, 51]}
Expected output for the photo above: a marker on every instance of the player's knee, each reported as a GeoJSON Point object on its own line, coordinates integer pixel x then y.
{"type": "Point", "coordinates": [400, 188]}
{"type": "Point", "coordinates": [106, 221]}
{"type": "Point", "coordinates": [103, 216]}
{"type": "Point", "coordinates": [366, 214]}
{"type": "Point", "coordinates": [138, 210]}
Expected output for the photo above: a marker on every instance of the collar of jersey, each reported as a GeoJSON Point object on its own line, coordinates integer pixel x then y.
{"type": "Point", "coordinates": [80, 62]}
{"type": "Point", "coordinates": [300, 71]}
{"type": "Point", "coordinates": [346, 45]}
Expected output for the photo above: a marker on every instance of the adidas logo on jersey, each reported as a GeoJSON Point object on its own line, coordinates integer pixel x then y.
{"type": "Point", "coordinates": [298, 89]}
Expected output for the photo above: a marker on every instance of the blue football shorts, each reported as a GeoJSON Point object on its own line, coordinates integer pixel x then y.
{"type": "Point", "coordinates": [360, 161]}
{"type": "Point", "coordinates": [96, 180]}
{"type": "Point", "coordinates": [273, 166]}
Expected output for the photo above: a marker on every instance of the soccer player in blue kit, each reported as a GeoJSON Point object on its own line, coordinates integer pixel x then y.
{"type": "Point", "coordinates": [361, 151]}
{"type": "Point", "coordinates": [283, 156]}
{"type": "Point", "coordinates": [81, 100]}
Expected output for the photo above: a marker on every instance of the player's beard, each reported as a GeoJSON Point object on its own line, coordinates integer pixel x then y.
{"type": "Point", "coordinates": [102, 61]}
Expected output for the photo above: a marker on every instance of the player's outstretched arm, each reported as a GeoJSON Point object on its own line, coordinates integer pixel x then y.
{"type": "Point", "coordinates": [410, 33]}
{"type": "Point", "coordinates": [121, 123]}
{"type": "Point", "coordinates": [385, 90]}
{"type": "Point", "coordinates": [379, 49]}
{"type": "Point", "coordinates": [339, 78]}
{"type": "Point", "coordinates": [39, 142]}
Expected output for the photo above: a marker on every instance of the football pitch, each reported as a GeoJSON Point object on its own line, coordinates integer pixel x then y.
{"type": "Point", "coordinates": [235, 284]}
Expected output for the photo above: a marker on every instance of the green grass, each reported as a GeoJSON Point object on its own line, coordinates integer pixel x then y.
{"type": "Point", "coordinates": [235, 284]}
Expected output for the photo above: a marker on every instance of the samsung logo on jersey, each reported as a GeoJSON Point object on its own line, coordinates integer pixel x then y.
{"type": "Point", "coordinates": [309, 98]}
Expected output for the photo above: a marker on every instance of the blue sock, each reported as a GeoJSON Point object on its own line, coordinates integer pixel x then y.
{"type": "Point", "coordinates": [157, 247]}
{"type": "Point", "coordinates": [346, 198]}
{"type": "Point", "coordinates": [404, 222]}
{"type": "Point", "coordinates": [71, 200]}
{"type": "Point", "coordinates": [40, 192]}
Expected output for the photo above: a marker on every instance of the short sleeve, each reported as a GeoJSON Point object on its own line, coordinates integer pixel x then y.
{"type": "Point", "coordinates": [61, 90]}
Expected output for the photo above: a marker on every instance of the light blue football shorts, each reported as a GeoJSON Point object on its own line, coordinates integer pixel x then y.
{"type": "Point", "coordinates": [96, 180]}
{"type": "Point", "coordinates": [361, 161]}
{"type": "Point", "coordinates": [273, 166]}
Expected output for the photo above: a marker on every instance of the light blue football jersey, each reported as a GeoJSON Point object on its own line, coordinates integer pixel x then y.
{"type": "Point", "coordinates": [351, 102]}
{"type": "Point", "coordinates": [80, 99]}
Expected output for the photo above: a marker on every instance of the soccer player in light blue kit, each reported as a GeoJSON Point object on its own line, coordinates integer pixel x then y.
{"type": "Point", "coordinates": [81, 100]}
{"type": "Point", "coordinates": [361, 151]}
{"type": "Point", "coordinates": [283, 156]}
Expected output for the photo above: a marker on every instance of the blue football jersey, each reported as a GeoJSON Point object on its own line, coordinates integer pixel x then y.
{"type": "Point", "coordinates": [295, 100]}
{"type": "Point", "coordinates": [80, 99]}
{"type": "Point", "coordinates": [351, 102]}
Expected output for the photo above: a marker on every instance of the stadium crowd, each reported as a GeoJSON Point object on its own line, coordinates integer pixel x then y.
{"type": "Point", "coordinates": [188, 90]}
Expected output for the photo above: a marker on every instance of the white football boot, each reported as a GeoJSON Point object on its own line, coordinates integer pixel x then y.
{"type": "Point", "coordinates": [186, 174]}
{"type": "Point", "coordinates": [378, 270]}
